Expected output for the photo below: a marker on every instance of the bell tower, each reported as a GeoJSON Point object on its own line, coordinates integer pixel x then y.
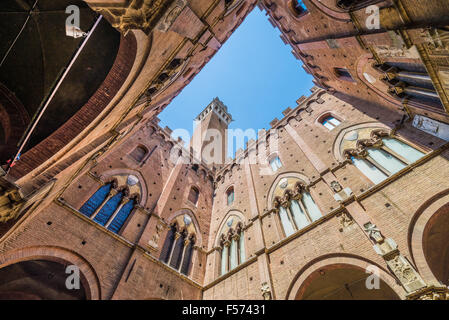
{"type": "Point", "coordinates": [209, 141]}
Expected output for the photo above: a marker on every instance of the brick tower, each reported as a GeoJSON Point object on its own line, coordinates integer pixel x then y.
{"type": "Point", "coordinates": [209, 141]}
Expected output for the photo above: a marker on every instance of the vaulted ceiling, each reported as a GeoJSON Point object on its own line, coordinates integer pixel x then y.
{"type": "Point", "coordinates": [43, 50]}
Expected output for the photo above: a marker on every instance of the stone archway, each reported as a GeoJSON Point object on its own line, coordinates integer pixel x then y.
{"type": "Point", "coordinates": [435, 242]}
{"type": "Point", "coordinates": [38, 280]}
{"type": "Point", "coordinates": [429, 239]}
{"type": "Point", "coordinates": [51, 258]}
{"type": "Point", "coordinates": [343, 278]}
{"type": "Point", "coordinates": [343, 282]}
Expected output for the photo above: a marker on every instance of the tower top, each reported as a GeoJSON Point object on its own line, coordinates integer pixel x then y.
{"type": "Point", "coordinates": [217, 107]}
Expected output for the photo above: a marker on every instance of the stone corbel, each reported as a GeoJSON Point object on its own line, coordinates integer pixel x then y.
{"type": "Point", "coordinates": [266, 291]}
{"type": "Point", "coordinates": [11, 202]}
{"type": "Point", "coordinates": [134, 14]}
{"type": "Point", "coordinates": [396, 262]}
{"type": "Point", "coordinates": [180, 18]}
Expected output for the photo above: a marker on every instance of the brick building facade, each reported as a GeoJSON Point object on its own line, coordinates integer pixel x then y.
{"type": "Point", "coordinates": [351, 181]}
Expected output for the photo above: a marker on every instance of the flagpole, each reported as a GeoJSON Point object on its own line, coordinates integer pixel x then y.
{"type": "Point", "coordinates": [47, 103]}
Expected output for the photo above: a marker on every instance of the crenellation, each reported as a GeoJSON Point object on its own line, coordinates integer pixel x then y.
{"type": "Point", "coordinates": [355, 176]}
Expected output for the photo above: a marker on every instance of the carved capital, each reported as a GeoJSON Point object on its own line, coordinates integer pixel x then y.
{"type": "Point", "coordinates": [11, 201]}
{"type": "Point", "coordinates": [134, 14]}
{"type": "Point", "coordinates": [266, 291]}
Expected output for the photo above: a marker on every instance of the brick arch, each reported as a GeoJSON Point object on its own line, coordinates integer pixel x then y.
{"type": "Point", "coordinates": [418, 224]}
{"type": "Point", "coordinates": [362, 62]}
{"type": "Point", "coordinates": [190, 213]}
{"type": "Point", "coordinates": [300, 176]}
{"type": "Point", "coordinates": [330, 11]}
{"type": "Point", "coordinates": [343, 131]}
{"type": "Point", "coordinates": [109, 174]}
{"type": "Point", "coordinates": [113, 82]}
{"type": "Point", "coordinates": [89, 277]}
{"type": "Point", "coordinates": [306, 275]}
{"type": "Point", "coordinates": [238, 214]}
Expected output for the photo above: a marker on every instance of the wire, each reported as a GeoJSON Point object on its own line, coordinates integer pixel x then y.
{"type": "Point", "coordinates": [20, 32]}
{"type": "Point", "coordinates": [53, 93]}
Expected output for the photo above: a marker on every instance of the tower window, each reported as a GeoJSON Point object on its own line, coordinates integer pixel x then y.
{"type": "Point", "coordinates": [275, 163]}
{"type": "Point", "coordinates": [343, 74]}
{"type": "Point", "coordinates": [230, 195]}
{"type": "Point", "coordinates": [297, 7]}
{"type": "Point", "coordinates": [194, 195]}
{"type": "Point", "coordinates": [139, 153]}
{"type": "Point", "coordinates": [330, 122]}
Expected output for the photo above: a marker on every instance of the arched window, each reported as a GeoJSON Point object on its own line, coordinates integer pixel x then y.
{"type": "Point", "coordinates": [296, 209]}
{"type": "Point", "coordinates": [297, 7]}
{"type": "Point", "coordinates": [230, 195]}
{"type": "Point", "coordinates": [382, 156]}
{"type": "Point", "coordinates": [109, 208]}
{"type": "Point", "coordinates": [194, 195]}
{"type": "Point", "coordinates": [117, 221]}
{"type": "Point", "coordinates": [139, 153]}
{"type": "Point", "coordinates": [330, 122]}
{"type": "Point", "coordinates": [343, 74]}
{"type": "Point", "coordinates": [232, 246]}
{"type": "Point", "coordinates": [275, 163]}
{"type": "Point", "coordinates": [96, 200]}
{"type": "Point", "coordinates": [179, 245]}
{"type": "Point", "coordinates": [407, 81]}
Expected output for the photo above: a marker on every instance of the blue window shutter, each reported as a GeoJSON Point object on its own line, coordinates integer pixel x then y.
{"type": "Point", "coordinates": [121, 217]}
{"type": "Point", "coordinates": [95, 201]}
{"type": "Point", "coordinates": [108, 209]}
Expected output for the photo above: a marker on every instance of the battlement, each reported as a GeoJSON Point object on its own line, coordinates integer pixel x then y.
{"type": "Point", "coordinates": [219, 108]}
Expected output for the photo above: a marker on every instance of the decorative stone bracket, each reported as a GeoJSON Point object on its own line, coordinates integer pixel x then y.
{"type": "Point", "coordinates": [134, 14]}
{"type": "Point", "coordinates": [266, 291]}
{"type": "Point", "coordinates": [396, 262]}
{"type": "Point", "coordinates": [10, 200]}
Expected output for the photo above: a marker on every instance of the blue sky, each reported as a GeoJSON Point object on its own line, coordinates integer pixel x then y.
{"type": "Point", "coordinates": [254, 74]}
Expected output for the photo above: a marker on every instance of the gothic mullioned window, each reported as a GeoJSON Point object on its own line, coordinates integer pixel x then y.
{"type": "Point", "coordinates": [380, 156]}
{"type": "Point", "coordinates": [110, 206]}
{"type": "Point", "coordinates": [411, 82]}
{"type": "Point", "coordinates": [295, 207]}
{"type": "Point", "coordinates": [179, 245]}
{"type": "Point", "coordinates": [232, 245]}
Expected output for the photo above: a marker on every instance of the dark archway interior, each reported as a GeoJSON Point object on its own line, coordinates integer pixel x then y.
{"type": "Point", "coordinates": [37, 280]}
{"type": "Point", "coordinates": [436, 244]}
{"type": "Point", "coordinates": [2, 134]}
{"type": "Point", "coordinates": [41, 53]}
{"type": "Point", "coordinates": [344, 283]}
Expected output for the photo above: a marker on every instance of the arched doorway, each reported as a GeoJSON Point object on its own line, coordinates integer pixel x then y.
{"type": "Point", "coordinates": [342, 282]}
{"type": "Point", "coordinates": [38, 280]}
{"type": "Point", "coordinates": [435, 243]}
